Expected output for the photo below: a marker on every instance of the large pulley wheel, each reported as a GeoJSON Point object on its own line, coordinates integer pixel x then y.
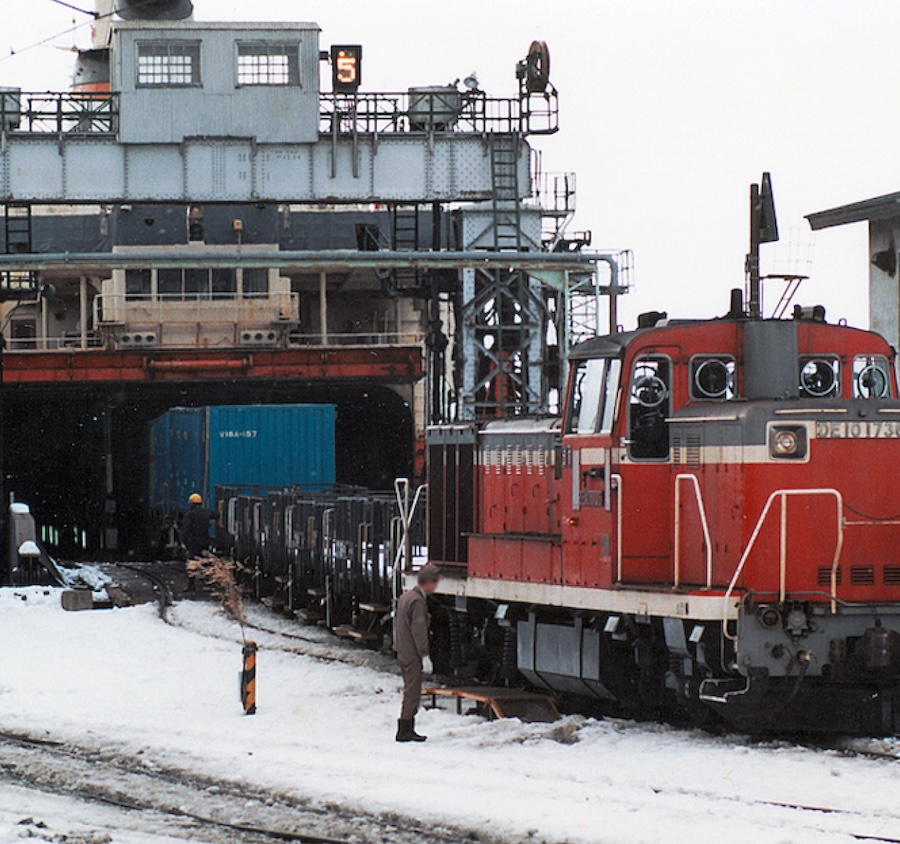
{"type": "Point", "coordinates": [537, 68]}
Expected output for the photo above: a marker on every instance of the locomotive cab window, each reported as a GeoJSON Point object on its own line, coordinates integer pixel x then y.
{"type": "Point", "coordinates": [871, 377]}
{"type": "Point", "coordinates": [820, 377]}
{"type": "Point", "coordinates": [713, 378]}
{"type": "Point", "coordinates": [594, 390]}
{"type": "Point", "coordinates": [649, 406]}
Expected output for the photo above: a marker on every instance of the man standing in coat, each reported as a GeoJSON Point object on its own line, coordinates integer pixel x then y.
{"type": "Point", "coordinates": [411, 627]}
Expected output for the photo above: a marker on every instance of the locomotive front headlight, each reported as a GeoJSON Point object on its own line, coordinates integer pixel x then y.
{"type": "Point", "coordinates": [787, 442]}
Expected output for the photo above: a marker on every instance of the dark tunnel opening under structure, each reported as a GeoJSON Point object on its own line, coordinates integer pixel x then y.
{"type": "Point", "coordinates": [56, 442]}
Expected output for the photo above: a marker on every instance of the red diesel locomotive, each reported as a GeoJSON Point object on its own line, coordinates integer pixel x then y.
{"type": "Point", "coordinates": [712, 527]}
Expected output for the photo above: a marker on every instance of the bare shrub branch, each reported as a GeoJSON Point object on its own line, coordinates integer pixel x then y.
{"type": "Point", "coordinates": [218, 574]}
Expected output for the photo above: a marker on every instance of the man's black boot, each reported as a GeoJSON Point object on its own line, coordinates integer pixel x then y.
{"type": "Point", "coordinates": [406, 731]}
{"type": "Point", "coordinates": [414, 734]}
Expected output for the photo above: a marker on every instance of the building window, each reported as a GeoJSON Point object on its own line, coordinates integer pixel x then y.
{"type": "Point", "coordinates": [262, 63]}
{"type": "Point", "coordinates": [168, 64]}
{"type": "Point", "coordinates": [24, 334]}
{"type": "Point", "coordinates": [224, 283]}
{"type": "Point", "coordinates": [193, 284]}
{"type": "Point", "coordinates": [138, 285]}
{"type": "Point", "coordinates": [255, 283]}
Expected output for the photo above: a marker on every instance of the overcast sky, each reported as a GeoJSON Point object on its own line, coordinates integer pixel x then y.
{"type": "Point", "coordinates": [669, 111]}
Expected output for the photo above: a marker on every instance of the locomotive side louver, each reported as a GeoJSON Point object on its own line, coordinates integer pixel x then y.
{"type": "Point", "coordinates": [687, 450]}
{"type": "Point", "coordinates": [862, 575]}
{"type": "Point", "coordinates": [824, 578]}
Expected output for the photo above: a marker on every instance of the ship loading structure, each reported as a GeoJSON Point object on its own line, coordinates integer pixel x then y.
{"type": "Point", "coordinates": [198, 222]}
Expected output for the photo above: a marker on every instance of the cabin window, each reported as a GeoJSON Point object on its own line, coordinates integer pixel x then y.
{"type": "Point", "coordinates": [263, 63]}
{"type": "Point", "coordinates": [138, 285]}
{"type": "Point", "coordinates": [196, 284]}
{"type": "Point", "coordinates": [224, 283]}
{"type": "Point", "coordinates": [871, 377]}
{"type": "Point", "coordinates": [168, 64]}
{"type": "Point", "coordinates": [594, 391]}
{"type": "Point", "coordinates": [23, 334]}
{"type": "Point", "coordinates": [255, 283]}
{"type": "Point", "coordinates": [650, 402]}
{"type": "Point", "coordinates": [713, 378]}
{"type": "Point", "coordinates": [820, 377]}
{"type": "Point", "coordinates": [169, 283]}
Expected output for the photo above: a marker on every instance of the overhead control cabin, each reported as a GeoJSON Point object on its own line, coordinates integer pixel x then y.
{"type": "Point", "coordinates": [216, 79]}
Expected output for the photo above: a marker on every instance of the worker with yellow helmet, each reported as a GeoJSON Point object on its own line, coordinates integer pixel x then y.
{"type": "Point", "coordinates": [195, 526]}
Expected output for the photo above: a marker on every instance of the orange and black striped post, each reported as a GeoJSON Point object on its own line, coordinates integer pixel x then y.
{"type": "Point", "coordinates": [248, 678]}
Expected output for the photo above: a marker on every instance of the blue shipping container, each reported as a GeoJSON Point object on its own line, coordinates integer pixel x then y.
{"type": "Point", "coordinates": [197, 449]}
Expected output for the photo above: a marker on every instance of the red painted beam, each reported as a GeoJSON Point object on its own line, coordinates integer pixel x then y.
{"type": "Point", "coordinates": [392, 364]}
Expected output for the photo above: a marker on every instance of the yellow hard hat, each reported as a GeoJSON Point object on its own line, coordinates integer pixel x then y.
{"type": "Point", "coordinates": [196, 498]}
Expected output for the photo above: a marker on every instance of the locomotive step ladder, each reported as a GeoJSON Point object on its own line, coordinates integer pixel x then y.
{"type": "Point", "coordinates": [370, 623]}
{"type": "Point", "coordinates": [314, 612]}
{"type": "Point", "coordinates": [496, 702]}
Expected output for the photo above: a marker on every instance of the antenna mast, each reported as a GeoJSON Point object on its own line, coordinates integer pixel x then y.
{"type": "Point", "coordinates": [763, 229]}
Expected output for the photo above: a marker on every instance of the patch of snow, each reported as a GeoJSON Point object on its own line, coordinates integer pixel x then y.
{"type": "Point", "coordinates": [124, 680]}
{"type": "Point", "coordinates": [86, 576]}
{"type": "Point", "coordinates": [33, 816]}
{"type": "Point", "coordinates": [29, 548]}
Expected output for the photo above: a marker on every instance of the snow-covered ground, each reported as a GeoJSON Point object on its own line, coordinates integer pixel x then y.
{"type": "Point", "coordinates": [26, 814]}
{"type": "Point", "coordinates": [124, 681]}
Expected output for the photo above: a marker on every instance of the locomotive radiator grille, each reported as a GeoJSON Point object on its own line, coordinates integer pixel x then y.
{"type": "Point", "coordinates": [825, 576]}
{"type": "Point", "coordinates": [862, 575]}
{"type": "Point", "coordinates": [686, 450]}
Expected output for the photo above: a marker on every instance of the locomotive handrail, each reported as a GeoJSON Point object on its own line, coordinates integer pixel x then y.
{"type": "Point", "coordinates": [783, 495]}
{"type": "Point", "coordinates": [615, 480]}
{"type": "Point", "coordinates": [404, 546]}
{"type": "Point", "coordinates": [698, 494]}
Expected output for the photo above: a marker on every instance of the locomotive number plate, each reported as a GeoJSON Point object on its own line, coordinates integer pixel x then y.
{"type": "Point", "coordinates": [858, 430]}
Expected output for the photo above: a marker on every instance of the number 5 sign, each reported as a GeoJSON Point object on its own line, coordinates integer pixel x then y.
{"type": "Point", "coordinates": [346, 68]}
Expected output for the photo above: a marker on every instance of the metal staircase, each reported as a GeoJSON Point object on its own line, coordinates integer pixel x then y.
{"type": "Point", "coordinates": [18, 239]}
{"type": "Point", "coordinates": [505, 198]}
{"type": "Point", "coordinates": [406, 237]}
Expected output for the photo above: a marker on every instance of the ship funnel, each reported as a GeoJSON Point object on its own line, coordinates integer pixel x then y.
{"type": "Point", "coordinates": [154, 10]}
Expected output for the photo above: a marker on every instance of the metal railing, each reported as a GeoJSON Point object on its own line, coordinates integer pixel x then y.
{"type": "Point", "coordinates": [438, 110]}
{"type": "Point", "coordinates": [67, 342]}
{"type": "Point", "coordinates": [206, 308]}
{"type": "Point", "coordinates": [704, 524]}
{"type": "Point", "coordinates": [361, 339]}
{"type": "Point", "coordinates": [783, 495]}
{"type": "Point", "coordinates": [59, 113]}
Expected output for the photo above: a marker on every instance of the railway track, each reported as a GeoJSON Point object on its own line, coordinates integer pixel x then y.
{"type": "Point", "coordinates": [324, 648]}
{"type": "Point", "coordinates": [226, 811]}
{"type": "Point", "coordinates": [208, 808]}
